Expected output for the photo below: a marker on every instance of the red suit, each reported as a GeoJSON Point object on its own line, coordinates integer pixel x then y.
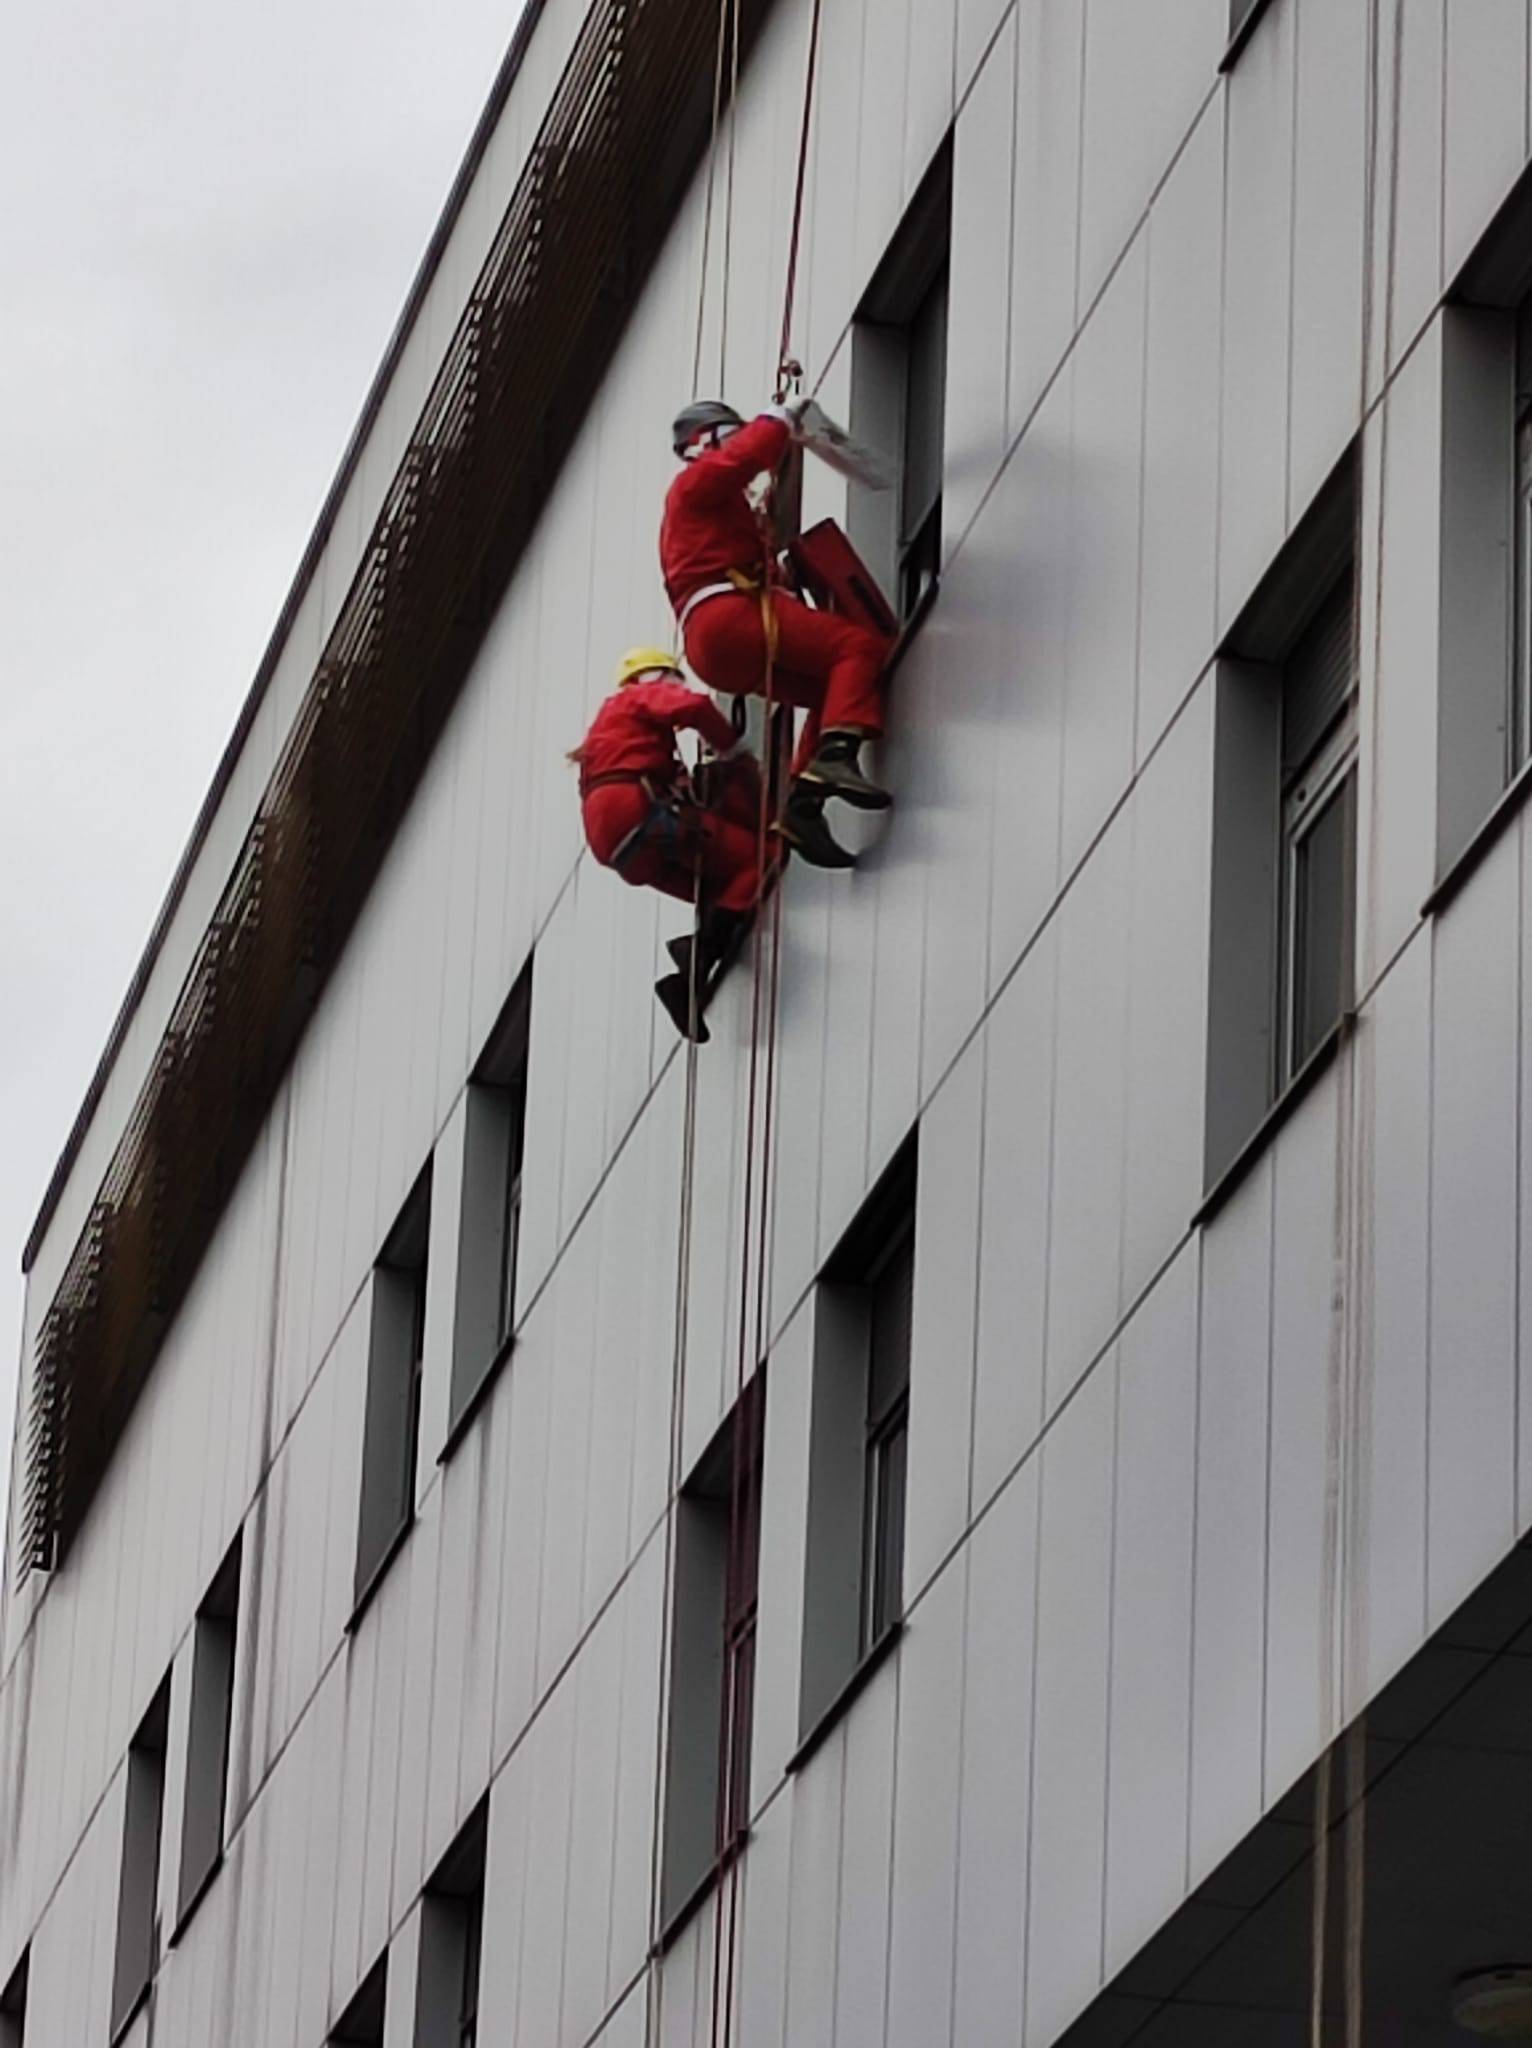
{"type": "Point", "coordinates": [638, 818]}
{"type": "Point", "coordinates": [825, 665]}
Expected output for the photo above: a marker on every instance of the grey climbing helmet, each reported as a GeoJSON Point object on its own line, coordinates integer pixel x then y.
{"type": "Point", "coordinates": [696, 418]}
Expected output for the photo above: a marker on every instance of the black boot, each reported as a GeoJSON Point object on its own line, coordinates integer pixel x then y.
{"type": "Point", "coordinates": [675, 994]}
{"type": "Point", "coordinates": [834, 772]}
{"type": "Point", "coordinates": [723, 933]}
{"type": "Point", "coordinates": [803, 827]}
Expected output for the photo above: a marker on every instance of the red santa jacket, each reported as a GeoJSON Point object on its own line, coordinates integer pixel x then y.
{"type": "Point", "coordinates": [634, 731]}
{"type": "Point", "coordinates": [710, 526]}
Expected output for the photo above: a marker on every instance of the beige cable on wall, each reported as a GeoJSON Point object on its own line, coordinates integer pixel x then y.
{"type": "Point", "coordinates": [1345, 1594]}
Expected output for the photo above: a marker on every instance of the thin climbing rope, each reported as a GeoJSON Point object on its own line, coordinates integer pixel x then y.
{"type": "Point", "coordinates": [707, 197]}
{"type": "Point", "coordinates": [759, 1140]}
{"type": "Point", "coordinates": [757, 1202]}
{"type": "Point", "coordinates": [758, 1208]}
{"type": "Point", "coordinates": [750, 1348]}
{"type": "Point", "coordinates": [784, 351]}
{"type": "Point", "coordinates": [655, 1982]}
{"type": "Point", "coordinates": [728, 210]}
{"type": "Point", "coordinates": [681, 1332]}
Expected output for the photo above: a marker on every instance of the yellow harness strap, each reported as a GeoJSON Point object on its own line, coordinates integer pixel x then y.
{"type": "Point", "coordinates": [744, 582]}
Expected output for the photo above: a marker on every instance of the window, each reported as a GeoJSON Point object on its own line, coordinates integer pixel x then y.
{"type": "Point", "coordinates": [1318, 885]}
{"type": "Point", "coordinates": [920, 468]}
{"type": "Point", "coordinates": [1482, 662]}
{"type": "Point", "coordinates": [859, 1442]}
{"type": "Point", "coordinates": [207, 1751]}
{"type": "Point", "coordinates": [13, 2006]}
{"type": "Point", "coordinates": [1481, 665]}
{"type": "Point", "coordinates": [395, 1362]}
{"type": "Point", "coordinates": [899, 396]}
{"type": "Point", "coordinates": [490, 1229]}
{"type": "Point", "coordinates": [361, 2024]}
{"type": "Point", "coordinates": [473, 1951]}
{"type": "Point", "coordinates": [712, 1689]}
{"type": "Point", "coordinates": [891, 1294]}
{"type": "Point", "coordinates": [1284, 827]}
{"type": "Point", "coordinates": [138, 1889]}
{"type": "Point", "coordinates": [1519, 712]}
{"type": "Point", "coordinates": [451, 1943]}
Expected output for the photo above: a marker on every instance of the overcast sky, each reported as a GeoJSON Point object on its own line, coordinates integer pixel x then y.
{"type": "Point", "coordinates": [211, 217]}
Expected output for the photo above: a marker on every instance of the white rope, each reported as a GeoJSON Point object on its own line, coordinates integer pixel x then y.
{"type": "Point", "coordinates": [728, 208]}
{"type": "Point", "coordinates": [707, 199]}
{"type": "Point", "coordinates": [1348, 1463]}
{"type": "Point", "coordinates": [654, 2002]}
{"type": "Point", "coordinates": [655, 1980]}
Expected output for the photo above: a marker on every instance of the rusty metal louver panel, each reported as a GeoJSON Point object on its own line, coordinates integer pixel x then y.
{"type": "Point", "coordinates": [620, 141]}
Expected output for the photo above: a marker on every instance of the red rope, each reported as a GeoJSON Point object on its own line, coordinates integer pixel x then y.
{"type": "Point", "coordinates": [759, 1136]}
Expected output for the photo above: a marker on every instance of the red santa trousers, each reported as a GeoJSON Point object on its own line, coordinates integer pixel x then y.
{"type": "Point", "coordinates": [827, 666]}
{"type": "Point", "coordinates": [672, 844]}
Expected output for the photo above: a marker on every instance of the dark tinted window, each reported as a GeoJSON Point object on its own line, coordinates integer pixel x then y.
{"type": "Point", "coordinates": [137, 1955]}
{"type": "Point", "coordinates": [396, 1358]}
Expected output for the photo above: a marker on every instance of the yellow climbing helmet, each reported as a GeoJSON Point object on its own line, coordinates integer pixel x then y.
{"type": "Point", "coordinates": [642, 661]}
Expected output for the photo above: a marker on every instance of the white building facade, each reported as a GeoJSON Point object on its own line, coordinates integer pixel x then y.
{"type": "Point", "coordinates": [1139, 1141]}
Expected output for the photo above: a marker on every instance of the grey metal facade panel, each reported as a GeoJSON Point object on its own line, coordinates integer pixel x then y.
{"type": "Point", "coordinates": [1154, 1532]}
{"type": "Point", "coordinates": [1118, 1423]}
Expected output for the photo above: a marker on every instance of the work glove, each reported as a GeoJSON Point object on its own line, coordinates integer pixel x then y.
{"type": "Point", "coordinates": [791, 412]}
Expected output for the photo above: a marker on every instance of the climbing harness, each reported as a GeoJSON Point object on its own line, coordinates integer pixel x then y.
{"type": "Point", "coordinates": [738, 584]}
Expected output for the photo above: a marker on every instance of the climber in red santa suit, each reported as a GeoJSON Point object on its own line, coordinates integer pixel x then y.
{"type": "Point", "coordinates": [659, 827]}
{"type": "Point", "coordinates": [718, 557]}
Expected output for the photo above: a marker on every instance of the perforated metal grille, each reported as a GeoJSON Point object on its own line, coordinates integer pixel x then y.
{"type": "Point", "coordinates": [621, 139]}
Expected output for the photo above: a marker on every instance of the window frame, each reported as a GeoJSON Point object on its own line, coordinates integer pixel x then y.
{"type": "Point", "coordinates": [887, 1444]}
{"type": "Point", "coordinates": [136, 1949]}
{"type": "Point", "coordinates": [395, 1391]}
{"type": "Point", "coordinates": [737, 1701]}
{"type": "Point", "coordinates": [714, 1636]}
{"type": "Point", "coordinates": [510, 1218]}
{"type": "Point", "coordinates": [210, 1728]}
{"type": "Point", "coordinates": [918, 543]}
{"type": "Point", "coordinates": [901, 547]}
{"type": "Point", "coordinates": [491, 1203]}
{"type": "Point", "coordinates": [858, 1430]}
{"type": "Point", "coordinates": [449, 1976]}
{"type": "Point", "coordinates": [416, 1277]}
{"type": "Point", "coordinates": [1269, 798]}
{"type": "Point", "coordinates": [473, 1968]}
{"type": "Point", "coordinates": [1327, 780]}
{"type": "Point", "coordinates": [1519, 714]}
